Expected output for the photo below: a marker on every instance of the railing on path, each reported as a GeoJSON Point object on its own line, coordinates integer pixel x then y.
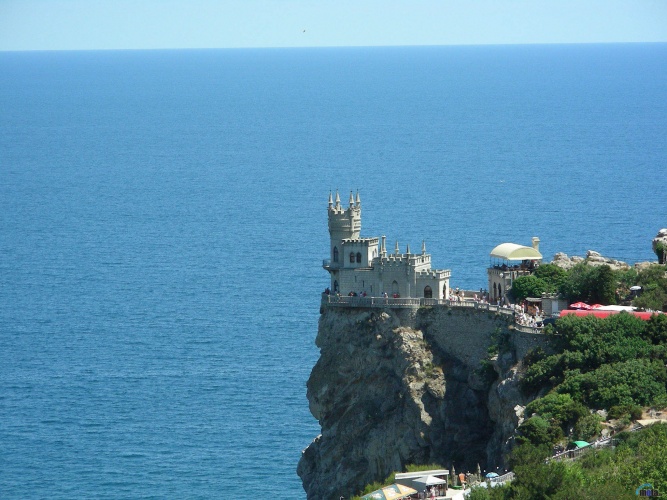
{"type": "Point", "coordinates": [575, 454]}
{"type": "Point", "coordinates": [502, 479]}
{"type": "Point", "coordinates": [410, 302]}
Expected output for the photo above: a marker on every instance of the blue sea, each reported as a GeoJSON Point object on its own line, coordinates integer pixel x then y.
{"type": "Point", "coordinates": [163, 224]}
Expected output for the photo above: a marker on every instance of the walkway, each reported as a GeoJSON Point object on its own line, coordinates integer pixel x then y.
{"type": "Point", "coordinates": [415, 303]}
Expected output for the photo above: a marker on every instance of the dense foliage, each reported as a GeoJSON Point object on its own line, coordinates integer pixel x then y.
{"type": "Point", "coordinates": [596, 285]}
{"type": "Point", "coordinates": [547, 278]}
{"type": "Point", "coordinates": [616, 364]}
{"type": "Point", "coordinates": [639, 458]}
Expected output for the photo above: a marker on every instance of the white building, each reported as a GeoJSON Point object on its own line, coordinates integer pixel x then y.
{"type": "Point", "coordinates": [361, 265]}
{"type": "Point", "coordinates": [511, 261]}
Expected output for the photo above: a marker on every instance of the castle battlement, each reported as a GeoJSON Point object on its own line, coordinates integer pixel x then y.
{"type": "Point", "coordinates": [362, 265]}
{"type": "Point", "coordinates": [361, 240]}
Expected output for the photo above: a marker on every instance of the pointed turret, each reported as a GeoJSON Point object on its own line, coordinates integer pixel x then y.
{"type": "Point", "coordinates": [337, 199]}
{"type": "Point", "coordinates": [351, 200]}
{"type": "Point", "coordinates": [330, 201]}
{"type": "Point", "coordinates": [383, 250]}
{"type": "Point", "coordinates": [423, 247]}
{"type": "Point", "coordinates": [396, 249]}
{"type": "Point", "coordinates": [358, 199]}
{"type": "Point", "coordinates": [408, 249]}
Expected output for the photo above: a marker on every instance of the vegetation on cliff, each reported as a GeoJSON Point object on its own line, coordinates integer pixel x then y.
{"type": "Point", "coordinates": [596, 284]}
{"type": "Point", "coordinates": [639, 458]}
{"type": "Point", "coordinates": [615, 364]}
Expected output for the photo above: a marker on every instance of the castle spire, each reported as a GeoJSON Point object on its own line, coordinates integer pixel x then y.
{"type": "Point", "coordinates": [337, 199]}
{"type": "Point", "coordinates": [408, 249]}
{"type": "Point", "coordinates": [351, 200]}
{"type": "Point", "coordinates": [358, 199]}
{"type": "Point", "coordinates": [423, 247]}
{"type": "Point", "coordinates": [383, 250]}
{"type": "Point", "coordinates": [396, 249]}
{"type": "Point", "coordinates": [330, 201]}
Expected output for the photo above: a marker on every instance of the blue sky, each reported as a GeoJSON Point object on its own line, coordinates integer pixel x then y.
{"type": "Point", "coordinates": [157, 24]}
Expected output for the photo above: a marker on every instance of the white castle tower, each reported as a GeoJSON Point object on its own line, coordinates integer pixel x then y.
{"type": "Point", "coordinates": [357, 266]}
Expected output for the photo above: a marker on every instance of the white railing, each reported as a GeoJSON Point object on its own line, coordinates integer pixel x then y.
{"type": "Point", "coordinates": [502, 479]}
{"type": "Point", "coordinates": [575, 454]}
{"type": "Point", "coordinates": [391, 302]}
{"type": "Point", "coordinates": [528, 329]}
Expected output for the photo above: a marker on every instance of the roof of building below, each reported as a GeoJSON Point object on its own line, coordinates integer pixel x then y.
{"type": "Point", "coordinates": [512, 251]}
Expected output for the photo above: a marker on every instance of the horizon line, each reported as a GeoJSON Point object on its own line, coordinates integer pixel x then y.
{"type": "Point", "coordinates": [333, 46]}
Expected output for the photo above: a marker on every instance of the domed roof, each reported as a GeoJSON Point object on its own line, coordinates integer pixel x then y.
{"type": "Point", "coordinates": [512, 251]}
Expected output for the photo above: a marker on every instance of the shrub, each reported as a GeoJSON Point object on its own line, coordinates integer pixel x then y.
{"type": "Point", "coordinates": [632, 411]}
{"type": "Point", "coordinates": [587, 427]}
{"type": "Point", "coordinates": [538, 431]}
{"type": "Point", "coordinates": [528, 286]}
{"type": "Point", "coordinates": [559, 408]}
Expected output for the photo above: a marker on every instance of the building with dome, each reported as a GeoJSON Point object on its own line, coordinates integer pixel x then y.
{"type": "Point", "coordinates": [508, 262]}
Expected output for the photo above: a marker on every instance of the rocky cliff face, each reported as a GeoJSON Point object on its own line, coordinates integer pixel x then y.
{"type": "Point", "coordinates": [398, 387]}
{"type": "Point", "coordinates": [660, 242]}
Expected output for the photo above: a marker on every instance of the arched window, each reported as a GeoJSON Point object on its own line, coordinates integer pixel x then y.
{"type": "Point", "coordinates": [394, 287]}
{"type": "Point", "coordinates": [335, 287]}
{"type": "Point", "coordinates": [352, 257]}
{"type": "Point", "coordinates": [359, 257]}
{"type": "Point", "coordinates": [428, 292]}
{"type": "Point", "coordinates": [335, 254]}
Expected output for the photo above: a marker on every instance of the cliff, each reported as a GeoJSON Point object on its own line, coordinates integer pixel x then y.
{"type": "Point", "coordinates": [400, 386]}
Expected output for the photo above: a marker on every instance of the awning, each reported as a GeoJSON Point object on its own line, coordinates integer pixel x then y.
{"type": "Point", "coordinates": [392, 492]}
{"type": "Point", "coordinates": [430, 480]}
{"type": "Point", "coordinates": [512, 251]}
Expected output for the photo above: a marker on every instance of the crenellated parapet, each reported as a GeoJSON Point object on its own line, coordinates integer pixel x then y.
{"type": "Point", "coordinates": [362, 266]}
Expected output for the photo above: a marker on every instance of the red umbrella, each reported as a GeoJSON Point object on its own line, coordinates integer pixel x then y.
{"type": "Point", "coordinates": [580, 305]}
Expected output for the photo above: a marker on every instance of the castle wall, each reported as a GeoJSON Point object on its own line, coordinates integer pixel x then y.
{"type": "Point", "coordinates": [404, 274]}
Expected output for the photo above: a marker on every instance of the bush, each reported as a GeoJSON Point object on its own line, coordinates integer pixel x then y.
{"type": "Point", "coordinates": [528, 286]}
{"type": "Point", "coordinates": [587, 427]}
{"type": "Point", "coordinates": [632, 411]}
{"type": "Point", "coordinates": [558, 408]}
{"type": "Point", "coordinates": [538, 431]}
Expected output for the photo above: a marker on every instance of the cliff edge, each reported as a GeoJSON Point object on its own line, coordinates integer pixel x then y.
{"type": "Point", "coordinates": [395, 387]}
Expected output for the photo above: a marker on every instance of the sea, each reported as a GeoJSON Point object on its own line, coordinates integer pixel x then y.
{"type": "Point", "coordinates": [163, 222]}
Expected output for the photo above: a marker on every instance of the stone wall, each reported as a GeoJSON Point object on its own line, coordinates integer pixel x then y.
{"type": "Point", "coordinates": [408, 385]}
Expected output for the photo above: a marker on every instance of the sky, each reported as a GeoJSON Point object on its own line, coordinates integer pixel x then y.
{"type": "Point", "coordinates": [173, 24]}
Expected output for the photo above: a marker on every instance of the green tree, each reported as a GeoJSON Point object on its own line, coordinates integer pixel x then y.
{"type": "Point", "coordinates": [538, 431]}
{"type": "Point", "coordinates": [575, 286]}
{"type": "Point", "coordinates": [602, 288]}
{"type": "Point", "coordinates": [654, 288]}
{"type": "Point", "coordinates": [552, 274]}
{"type": "Point", "coordinates": [588, 427]}
{"type": "Point", "coordinates": [528, 286]}
{"type": "Point", "coordinates": [660, 251]}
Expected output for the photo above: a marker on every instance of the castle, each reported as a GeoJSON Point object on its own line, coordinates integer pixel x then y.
{"type": "Point", "coordinates": [361, 266]}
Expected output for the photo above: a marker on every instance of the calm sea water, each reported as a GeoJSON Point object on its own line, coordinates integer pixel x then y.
{"type": "Point", "coordinates": [163, 224]}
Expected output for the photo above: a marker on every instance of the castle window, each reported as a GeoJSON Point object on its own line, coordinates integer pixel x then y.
{"type": "Point", "coordinates": [394, 287]}
{"type": "Point", "coordinates": [335, 254]}
{"type": "Point", "coordinates": [359, 257]}
{"type": "Point", "coordinates": [352, 257]}
{"type": "Point", "coordinates": [335, 287]}
{"type": "Point", "coordinates": [428, 292]}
